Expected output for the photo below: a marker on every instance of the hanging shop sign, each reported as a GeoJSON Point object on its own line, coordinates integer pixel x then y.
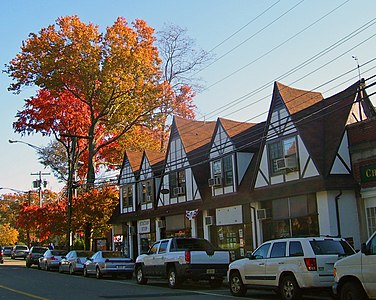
{"type": "Point", "coordinates": [368, 173]}
{"type": "Point", "coordinates": [143, 226]}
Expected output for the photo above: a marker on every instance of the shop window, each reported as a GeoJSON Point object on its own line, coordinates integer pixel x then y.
{"type": "Point", "coordinates": [283, 156]}
{"type": "Point", "coordinates": [371, 219]}
{"type": "Point", "coordinates": [146, 191]}
{"type": "Point", "coordinates": [127, 196]}
{"type": "Point", "coordinates": [177, 183]}
{"type": "Point", "coordinates": [278, 250]}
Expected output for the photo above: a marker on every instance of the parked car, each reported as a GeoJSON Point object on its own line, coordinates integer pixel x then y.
{"type": "Point", "coordinates": [288, 266]}
{"type": "Point", "coordinates": [19, 251]}
{"type": "Point", "coordinates": [7, 250]}
{"type": "Point", "coordinates": [178, 259]}
{"type": "Point", "coordinates": [32, 258]}
{"type": "Point", "coordinates": [1, 255]}
{"type": "Point", "coordinates": [74, 261]}
{"type": "Point", "coordinates": [355, 276]}
{"type": "Point", "coordinates": [51, 259]}
{"type": "Point", "coordinates": [109, 263]}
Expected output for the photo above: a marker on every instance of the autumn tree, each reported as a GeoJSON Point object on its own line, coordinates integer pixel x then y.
{"type": "Point", "coordinates": [91, 85]}
{"type": "Point", "coordinates": [9, 235]}
{"type": "Point", "coordinates": [92, 211]}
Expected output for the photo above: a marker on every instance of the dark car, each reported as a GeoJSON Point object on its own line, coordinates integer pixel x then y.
{"type": "Point", "coordinates": [34, 254]}
{"type": "Point", "coordinates": [7, 250]}
{"type": "Point", "coordinates": [19, 251]}
{"type": "Point", "coordinates": [1, 255]}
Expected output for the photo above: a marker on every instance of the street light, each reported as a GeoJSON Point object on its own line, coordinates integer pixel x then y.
{"type": "Point", "coordinates": [39, 181]}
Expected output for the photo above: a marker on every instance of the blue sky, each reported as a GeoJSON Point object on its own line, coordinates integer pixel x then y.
{"type": "Point", "coordinates": [255, 49]}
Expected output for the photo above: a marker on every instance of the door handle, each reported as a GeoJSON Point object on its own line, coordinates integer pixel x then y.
{"type": "Point", "coordinates": [261, 264]}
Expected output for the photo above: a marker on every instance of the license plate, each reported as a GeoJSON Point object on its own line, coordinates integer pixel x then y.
{"type": "Point", "coordinates": [210, 271]}
{"type": "Point", "coordinates": [120, 267]}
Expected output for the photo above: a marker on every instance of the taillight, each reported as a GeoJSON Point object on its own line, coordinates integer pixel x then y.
{"type": "Point", "coordinates": [311, 264]}
{"type": "Point", "coordinates": [53, 258]}
{"type": "Point", "coordinates": [187, 257]}
{"type": "Point", "coordinates": [107, 260]}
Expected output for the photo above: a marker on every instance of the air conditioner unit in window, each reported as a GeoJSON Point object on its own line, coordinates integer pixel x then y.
{"type": "Point", "coordinates": [161, 223]}
{"type": "Point", "coordinates": [148, 198]}
{"type": "Point", "coordinates": [209, 221]}
{"type": "Point", "coordinates": [262, 214]}
{"type": "Point", "coordinates": [285, 163]}
{"type": "Point", "coordinates": [180, 190]}
{"type": "Point", "coordinates": [216, 181]}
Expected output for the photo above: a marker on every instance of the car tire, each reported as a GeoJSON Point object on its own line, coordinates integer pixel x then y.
{"type": "Point", "coordinates": [289, 288]}
{"type": "Point", "coordinates": [47, 267]}
{"type": "Point", "coordinates": [38, 266]}
{"type": "Point", "coordinates": [215, 283]}
{"type": "Point", "coordinates": [237, 287]}
{"type": "Point", "coordinates": [352, 291]}
{"type": "Point", "coordinates": [98, 273]}
{"type": "Point", "coordinates": [140, 278]}
{"type": "Point", "coordinates": [28, 265]}
{"type": "Point", "coordinates": [71, 269]}
{"type": "Point", "coordinates": [86, 274]}
{"type": "Point", "coordinates": [172, 278]}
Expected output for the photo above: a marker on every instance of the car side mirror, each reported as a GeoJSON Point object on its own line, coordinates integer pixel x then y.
{"type": "Point", "coordinates": [364, 249]}
{"type": "Point", "coordinates": [251, 256]}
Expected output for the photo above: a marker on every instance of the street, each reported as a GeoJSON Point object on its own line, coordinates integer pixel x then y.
{"type": "Point", "coordinates": [19, 282]}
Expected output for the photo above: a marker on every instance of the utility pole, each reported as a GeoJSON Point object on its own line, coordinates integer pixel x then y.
{"type": "Point", "coordinates": [39, 185]}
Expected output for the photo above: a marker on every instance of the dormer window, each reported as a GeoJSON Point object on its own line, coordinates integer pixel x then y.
{"type": "Point", "coordinates": [222, 172]}
{"type": "Point", "coordinates": [177, 183]}
{"type": "Point", "coordinates": [283, 156]}
{"type": "Point", "coordinates": [146, 191]}
{"type": "Point", "coordinates": [127, 196]}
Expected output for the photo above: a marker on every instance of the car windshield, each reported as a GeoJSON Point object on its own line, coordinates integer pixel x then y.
{"type": "Point", "coordinates": [39, 250]}
{"type": "Point", "coordinates": [84, 253]}
{"type": "Point", "coordinates": [193, 244]}
{"type": "Point", "coordinates": [322, 247]}
{"type": "Point", "coordinates": [59, 252]}
{"type": "Point", "coordinates": [111, 254]}
{"type": "Point", "coordinates": [21, 248]}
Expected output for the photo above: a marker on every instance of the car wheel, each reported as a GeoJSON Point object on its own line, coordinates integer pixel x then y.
{"type": "Point", "coordinates": [71, 269]}
{"type": "Point", "coordinates": [38, 266]}
{"type": "Point", "coordinates": [140, 276]}
{"type": "Point", "coordinates": [47, 267]}
{"type": "Point", "coordinates": [86, 274]}
{"type": "Point", "coordinates": [352, 291]}
{"type": "Point", "coordinates": [215, 283]}
{"type": "Point", "coordinates": [28, 265]}
{"type": "Point", "coordinates": [289, 288]}
{"type": "Point", "coordinates": [98, 273]}
{"type": "Point", "coordinates": [173, 280]}
{"type": "Point", "coordinates": [237, 287]}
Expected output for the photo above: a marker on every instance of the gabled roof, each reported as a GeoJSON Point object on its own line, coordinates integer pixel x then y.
{"type": "Point", "coordinates": [156, 160]}
{"type": "Point", "coordinates": [320, 122]}
{"type": "Point", "coordinates": [245, 136]}
{"type": "Point", "coordinates": [134, 158]}
{"type": "Point", "coordinates": [194, 134]}
{"type": "Point", "coordinates": [296, 99]}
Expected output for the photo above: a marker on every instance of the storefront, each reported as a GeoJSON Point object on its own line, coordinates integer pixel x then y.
{"type": "Point", "coordinates": [176, 226]}
{"type": "Point", "coordinates": [290, 217]}
{"type": "Point", "coordinates": [368, 194]}
{"type": "Point", "coordinates": [145, 235]}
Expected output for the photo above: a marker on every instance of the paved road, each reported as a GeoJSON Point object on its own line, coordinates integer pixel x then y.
{"type": "Point", "coordinates": [18, 282]}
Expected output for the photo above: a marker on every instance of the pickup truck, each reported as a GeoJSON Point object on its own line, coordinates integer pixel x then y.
{"type": "Point", "coordinates": [178, 259]}
{"type": "Point", "coordinates": [355, 275]}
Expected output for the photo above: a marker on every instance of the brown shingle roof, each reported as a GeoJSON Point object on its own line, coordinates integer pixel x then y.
{"type": "Point", "coordinates": [194, 134]}
{"type": "Point", "coordinates": [134, 158]}
{"type": "Point", "coordinates": [297, 100]}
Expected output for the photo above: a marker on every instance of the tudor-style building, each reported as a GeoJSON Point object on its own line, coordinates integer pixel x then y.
{"type": "Point", "coordinates": [239, 184]}
{"type": "Point", "coordinates": [304, 184]}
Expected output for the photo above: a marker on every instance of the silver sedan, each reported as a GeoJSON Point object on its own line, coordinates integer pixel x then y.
{"type": "Point", "coordinates": [51, 259]}
{"type": "Point", "coordinates": [109, 263]}
{"type": "Point", "coordinates": [74, 261]}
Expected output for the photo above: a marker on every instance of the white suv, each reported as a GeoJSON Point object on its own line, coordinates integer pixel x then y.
{"type": "Point", "coordinates": [288, 265]}
{"type": "Point", "coordinates": [355, 276]}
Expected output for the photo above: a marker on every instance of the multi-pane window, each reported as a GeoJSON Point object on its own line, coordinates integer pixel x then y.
{"type": "Point", "coordinates": [371, 219]}
{"type": "Point", "coordinates": [127, 196]}
{"type": "Point", "coordinates": [177, 183]}
{"type": "Point", "coordinates": [146, 191]}
{"type": "Point", "coordinates": [283, 156]}
{"type": "Point", "coordinates": [223, 171]}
